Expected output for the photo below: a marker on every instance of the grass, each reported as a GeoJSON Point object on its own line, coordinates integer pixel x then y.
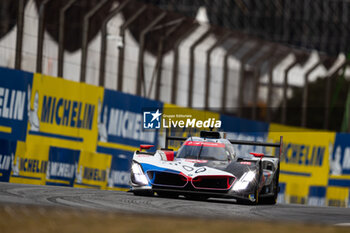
{"type": "Point", "coordinates": [32, 219]}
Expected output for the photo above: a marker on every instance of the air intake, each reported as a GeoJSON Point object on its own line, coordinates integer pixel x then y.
{"type": "Point", "coordinates": [167, 179]}
{"type": "Point", "coordinates": [213, 182]}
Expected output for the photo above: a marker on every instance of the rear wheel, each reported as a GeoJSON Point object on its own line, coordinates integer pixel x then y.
{"type": "Point", "coordinates": [272, 200]}
{"type": "Point", "coordinates": [256, 199]}
{"type": "Point", "coordinates": [250, 200]}
{"type": "Point", "coordinates": [268, 200]}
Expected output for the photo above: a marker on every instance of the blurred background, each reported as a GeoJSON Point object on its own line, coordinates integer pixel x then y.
{"type": "Point", "coordinates": [282, 61]}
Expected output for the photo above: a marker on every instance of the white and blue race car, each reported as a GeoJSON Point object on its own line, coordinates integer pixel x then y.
{"type": "Point", "coordinates": [205, 167]}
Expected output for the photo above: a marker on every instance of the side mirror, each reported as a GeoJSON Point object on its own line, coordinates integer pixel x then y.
{"type": "Point", "coordinates": [145, 147]}
{"type": "Point", "coordinates": [170, 155]}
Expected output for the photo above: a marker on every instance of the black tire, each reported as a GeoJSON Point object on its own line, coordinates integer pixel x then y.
{"type": "Point", "coordinates": [167, 194]}
{"type": "Point", "coordinates": [250, 202]}
{"type": "Point", "coordinates": [256, 197]}
{"type": "Point", "coordinates": [145, 193]}
{"type": "Point", "coordinates": [268, 200]}
{"type": "Point", "coordinates": [272, 200]}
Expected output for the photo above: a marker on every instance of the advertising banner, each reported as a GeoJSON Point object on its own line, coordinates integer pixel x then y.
{"type": "Point", "coordinates": [305, 160]}
{"type": "Point", "coordinates": [62, 166]}
{"type": "Point", "coordinates": [120, 121]}
{"type": "Point", "coordinates": [317, 196]}
{"type": "Point", "coordinates": [119, 177]}
{"type": "Point", "coordinates": [15, 89]}
{"type": "Point", "coordinates": [119, 170]}
{"type": "Point", "coordinates": [63, 113]}
{"type": "Point", "coordinates": [7, 156]}
{"type": "Point", "coordinates": [120, 132]}
{"type": "Point", "coordinates": [93, 170]}
{"type": "Point", "coordinates": [339, 161]}
{"type": "Point", "coordinates": [337, 196]}
{"type": "Point", "coordinates": [30, 163]}
{"type": "Point", "coordinates": [339, 172]}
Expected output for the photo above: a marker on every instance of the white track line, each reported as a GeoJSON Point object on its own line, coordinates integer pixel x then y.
{"type": "Point", "coordinates": [344, 224]}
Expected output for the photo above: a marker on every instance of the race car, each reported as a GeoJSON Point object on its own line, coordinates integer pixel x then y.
{"type": "Point", "coordinates": [207, 167]}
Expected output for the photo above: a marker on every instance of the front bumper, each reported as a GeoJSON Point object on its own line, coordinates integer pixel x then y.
{"type": "Point", "coordinates": [244, 195]}
{"type": "Point", "coordinates": [229, 195]}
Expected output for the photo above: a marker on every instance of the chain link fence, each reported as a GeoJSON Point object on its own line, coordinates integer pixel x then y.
{"type": "Point", "coordinates": [311, 24]}
{"type": "Point", "coordinates": [253, 60]}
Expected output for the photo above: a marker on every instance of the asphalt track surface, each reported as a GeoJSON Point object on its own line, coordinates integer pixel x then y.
{"type": "Point", "coordinates": [125, 202]}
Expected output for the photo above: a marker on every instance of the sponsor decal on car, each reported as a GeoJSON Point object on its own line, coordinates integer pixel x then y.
{"type": "Point", "coordinates": [196, 161]}
{"type": "Point", "coordinates": [246, 163]}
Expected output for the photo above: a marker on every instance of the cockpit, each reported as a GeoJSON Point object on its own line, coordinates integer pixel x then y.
{"type": "Point", "coordinates": [207, 149]}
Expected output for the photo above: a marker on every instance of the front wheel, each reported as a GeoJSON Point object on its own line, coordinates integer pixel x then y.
{"type": "Point", "coordinates": [145, 193]}
{"type": "Point", "coordinates": [167, 194]}
{"type": "Point", "coordinates": [268, 200]}
{"type": "Point", "coordinates": [271, 200]}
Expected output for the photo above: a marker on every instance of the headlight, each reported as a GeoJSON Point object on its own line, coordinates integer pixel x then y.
{"type": "Point", "coordinates": [244, 181]}
{"type": "Point", "coordinates": [137, 172]}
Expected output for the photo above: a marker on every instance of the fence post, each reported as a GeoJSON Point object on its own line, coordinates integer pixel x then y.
{"type": "Point", "coordinates": [221, 40]}
{"type": "Point", "coordinates": [272, 66]}
{"type": "Point", "coordinates": [140, 74]}
{"type": "Point", "coordinates": [285, 89]}
{"type": "Point", "coordinates": [61, 35]}
{"type": "Point", "coordinates": [19, 37]}
{"type": "Point", "coordinates": [257, 65]}
{"type": "Point", "coordinates": [192, 59]}
{"type": "Point", "coordinates": [122, 50]}
{"type": "Point", "coordinates": [233, 49]}
{"type": "Point", "coordinates": [176, 62]}
{"type": "Point", "coordinates": [41, 28]}
{"type": "Point", "coordinates": [159, 64]}
{"type": "Point", "coordinates": [306, 93]}
{"type": "Point", "coordinates": [250, 53]}
{"type": "Point", "coordinates": [101, 81]}
{"type": "Point", "coordinates": [328, 92]}
{"type": "Point", "coordinates": [85, 38]}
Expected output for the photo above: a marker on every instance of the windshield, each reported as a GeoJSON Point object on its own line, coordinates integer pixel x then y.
{"type": "Point", "coordinates": [204, 151]}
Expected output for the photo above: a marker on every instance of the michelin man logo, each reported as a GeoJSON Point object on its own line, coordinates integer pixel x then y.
{"type": "Point", "coordinates": [78, 173]}
{"type": "Point", "coordinates": [151, 120]}
{"type": "Point", "coordinates": [33, 117]}
{"type": "Point", "coordinates": [110, 182]}
{"type": "Point", "coordinates": [48, 170]}
{"type": "Point", "coordinates": [334, 164]}
{"type": "Point", "coordinates": [15, 165]}
{"type": "Point", "coordinates": [339, 164]}
{"type": "Point", "coordinates": [102, 125]}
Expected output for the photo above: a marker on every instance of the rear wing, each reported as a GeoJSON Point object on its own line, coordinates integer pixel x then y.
{"type": "Point", "coordinates": [264, 144]}
{"type": "Point", "coordinates": [232, 141]}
